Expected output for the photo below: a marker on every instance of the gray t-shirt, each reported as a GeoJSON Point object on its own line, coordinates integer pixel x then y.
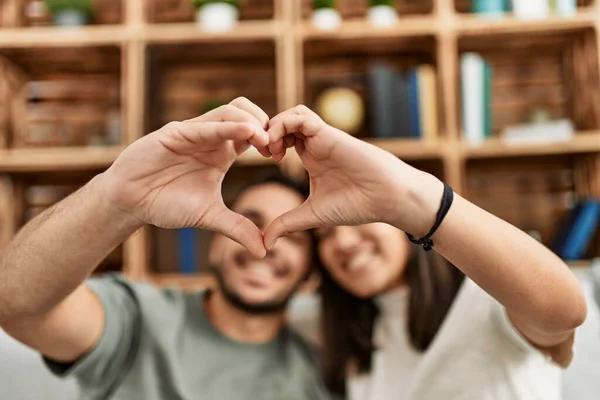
{"type": "Point", "coordinates": [158, 344]}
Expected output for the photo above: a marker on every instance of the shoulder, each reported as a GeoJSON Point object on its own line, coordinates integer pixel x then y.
{"type": "Point", "coordinates": [120, 295]}
{"type": "Point", "coordinates": [304, 316]}
{"type": "Point", "coordinates": [119, 285]}
{"type": "Point", "coordinates": [489, 318]}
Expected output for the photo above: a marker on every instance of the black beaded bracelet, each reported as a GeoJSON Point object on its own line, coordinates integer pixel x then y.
{"type": "Point", "coordinates": [426, 240]}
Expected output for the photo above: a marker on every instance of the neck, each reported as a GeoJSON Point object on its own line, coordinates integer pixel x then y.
{"type": "Point", "coordinates": [240, 326]}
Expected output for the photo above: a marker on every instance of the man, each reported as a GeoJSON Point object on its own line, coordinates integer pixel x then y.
{"type": "Point", "coordinates": [133, 341]}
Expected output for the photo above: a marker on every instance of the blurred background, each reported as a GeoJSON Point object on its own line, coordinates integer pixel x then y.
{"type": "Point", "coordinates": [499, 98]}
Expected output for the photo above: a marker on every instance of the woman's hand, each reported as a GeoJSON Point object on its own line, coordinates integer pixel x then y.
{"type": "Point", "coordinates": [351, 182]}
{"type": "Point", "coordinates": [172, 178]}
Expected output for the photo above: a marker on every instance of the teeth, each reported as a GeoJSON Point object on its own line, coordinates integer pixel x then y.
{"type": "Point", "coordinates": [359, 260]}
{"type": "Point", "coordinates": [261, 271]}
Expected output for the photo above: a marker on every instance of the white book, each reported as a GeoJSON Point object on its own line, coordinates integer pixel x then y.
{"type": "Point", "coordinates": [472, 76]}
{"type": "Point", "coordinates": [539, 134]}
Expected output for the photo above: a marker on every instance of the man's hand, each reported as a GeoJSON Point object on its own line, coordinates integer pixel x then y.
{"type": "Point", "coordinates": [172, 178]}
{"type": "Point", "coordinates": [351, 182]}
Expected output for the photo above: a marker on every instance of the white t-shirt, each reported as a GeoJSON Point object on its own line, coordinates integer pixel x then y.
{"type": "Point", "coordinates": [477, 353]}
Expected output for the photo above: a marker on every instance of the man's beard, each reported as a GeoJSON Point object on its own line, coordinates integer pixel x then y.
{"type": "Point", "coordinates": [265, 308]}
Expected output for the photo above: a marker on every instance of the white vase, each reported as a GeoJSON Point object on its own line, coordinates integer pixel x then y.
{"type": "Point", "coordinates": [70, 18]}
{"type": "Point", "coordinates": [217, 17]}
{"type": "Point", "coordinates": [326, 19]}
{"type": "Point", "coordinates": [531, 9]}
{"type": "Point", "coordinates": [382, 16]}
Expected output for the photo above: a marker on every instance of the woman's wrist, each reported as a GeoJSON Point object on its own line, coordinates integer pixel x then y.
{"type": "Point", "coordinates": [418, 197]}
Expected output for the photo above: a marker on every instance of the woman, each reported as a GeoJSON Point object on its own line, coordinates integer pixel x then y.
{"type": "Point", "coordinates": [399, 322]}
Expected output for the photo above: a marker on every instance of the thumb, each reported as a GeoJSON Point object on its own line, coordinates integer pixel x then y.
{"type": "Point", "coordinates": [300, 219]}
{"type": "Point", "coordinates": [240, 229]}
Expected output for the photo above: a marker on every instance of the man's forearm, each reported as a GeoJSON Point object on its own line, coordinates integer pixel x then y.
{"type": "Point", "coordinates": [55, 252]}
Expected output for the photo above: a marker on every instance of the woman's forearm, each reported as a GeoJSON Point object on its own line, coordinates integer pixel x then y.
{"type": "Point", "coordinates": [56, 251]}
{"type": "Point", "coordinates": [540, 293]}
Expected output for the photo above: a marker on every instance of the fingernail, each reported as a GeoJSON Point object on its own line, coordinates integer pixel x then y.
{"type": "Point", "coordinates": [273, 243]}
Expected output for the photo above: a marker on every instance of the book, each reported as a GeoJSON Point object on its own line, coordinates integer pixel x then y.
{"type": "Point", "coordinates": [381, 87]}
{"type": "Point", "coordinates": [578, 230]}
{"type": "Point", "coordinates": [187, 250]}
{"type": "Point", "coordinates": [401, 114]}
{"type": "Point", "coordinates": [413, 103]}
{"type": "Point", "coordinates": [489, 8]}
{"type": "Point", "coordinates": [565, 8]}
{"type": "Point", "coordinates": [488, 123]}
{"type": "Point", "coordinates": [539, 133]}
{"type": "Point", "coordinates": [428, 102]}
{"type": "Point", "coordinates": [472, 79]}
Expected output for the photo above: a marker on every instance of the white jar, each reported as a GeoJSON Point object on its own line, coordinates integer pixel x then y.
{"type": "Point", "coordinates": [531, 9]}
{"type": "Point", "coordinates": [217, 17]}
{"type": "Point", "coordinates": [382, 16]}
{"type": "Point", "coordinates": [326, 19]}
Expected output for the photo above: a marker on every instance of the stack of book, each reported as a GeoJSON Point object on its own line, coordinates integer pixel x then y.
{"type": "Point", "coordinates": [403, 105]}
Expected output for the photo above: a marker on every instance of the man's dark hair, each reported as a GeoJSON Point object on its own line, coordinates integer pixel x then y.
{"type": "Point", "coordinates": [279, 178]}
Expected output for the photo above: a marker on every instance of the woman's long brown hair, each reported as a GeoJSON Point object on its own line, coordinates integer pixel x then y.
{"type": "Point", "coordinates": [348, 320]}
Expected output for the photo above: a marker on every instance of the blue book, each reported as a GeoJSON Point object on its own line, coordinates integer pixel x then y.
{"type": "Point", "coordinates": [413, 103]}
{"type": "Point", "coordinates": [187, 250]}
{"type": "Point", "coordinates": [578, 231]}
{"type": "Point", "coordinates": [489, 7]}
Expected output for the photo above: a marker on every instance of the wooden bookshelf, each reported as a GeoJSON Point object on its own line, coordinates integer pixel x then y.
{"type": "Point", "coordinates": [278, 46]}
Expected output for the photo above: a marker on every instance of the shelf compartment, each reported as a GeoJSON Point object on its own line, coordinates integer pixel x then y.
{"type": "Point", "coordinates": [557, 73]}
{"type": "Point", "coordinates": [33, 193]}
{"type": "Point", "coordinates": [167, 11]}
{"type": "Point", "coordinates": [175, 251]}
{"type": "Point", "coordinates": [332, 63]}
{"type": "Point", "coordinates": [361, 28]}
{"type": "Point", "coordinates": [63, 96]}
{"type": "Point", "coordinates": [473, 25]}
{"type": "Point", "coordinates": [187, 79]}
{"type": "Point", "coordinates": [25, 13]}
{"type": "Point", "coordinates": [464, 6]}
{"type": "Point", "coordinates": [534, 193]}
{"type": "Point", "coordinates": [358, 8]}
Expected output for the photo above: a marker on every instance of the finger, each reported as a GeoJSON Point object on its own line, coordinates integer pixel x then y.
{"type": "Point", "coordinates": [198, 132]}
{"type": "Point", "coordinates": [298, 120]}
{"type": "Point", "coordinates": [300, 219]}
{"type": "Point", "coordinates": [251, 108]}
{"type": "Point", "coordinates": [228, 113]}
{"type": "Point", "coordinates": [239, 229]}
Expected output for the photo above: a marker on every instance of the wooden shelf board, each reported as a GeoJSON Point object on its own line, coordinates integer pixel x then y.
{"type": "Point", "coordinates": [473, 25]}
{"type": "Point", "coordinates": [189, 32]}
{"type": "Point", "coordinates": [411, 148]}
{"type": "Point", "coordinates": [361, 28]}
{"type": "Point", "coordinates": [52, 36]}
{"type": "Point", "coordinates": [582, 142]}
{"type": "Point", "coordinates": [57, 159]}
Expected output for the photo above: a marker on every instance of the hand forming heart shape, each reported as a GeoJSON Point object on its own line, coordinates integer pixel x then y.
{"type": "Point", "coordinates": [172, 178]}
